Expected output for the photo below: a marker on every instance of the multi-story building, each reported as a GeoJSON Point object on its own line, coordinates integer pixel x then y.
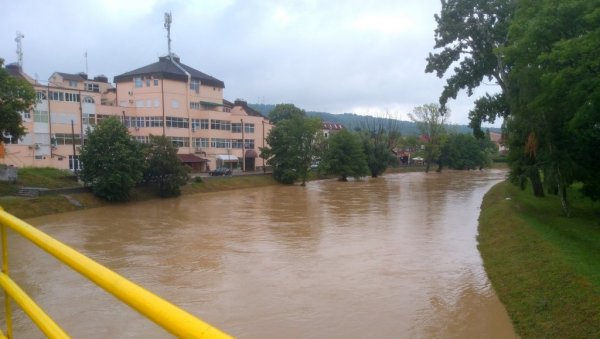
{"type": "Point", "coordinates": [164, 98]}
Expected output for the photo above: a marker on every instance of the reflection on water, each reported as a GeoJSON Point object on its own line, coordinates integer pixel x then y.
{"type": "Point", "coordinates": [393, 257]}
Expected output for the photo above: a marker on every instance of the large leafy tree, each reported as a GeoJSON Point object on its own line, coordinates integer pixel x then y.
{"type": "Point", "coordinates": [16, 95]}
{"type": "Point", "coordinates": [293, 145]}
{"type": "Point", "coordinates": [285, 112]}
{"type": "Point", "coordinates": [380, 137]}
{"type": "Point", "coordinates": [163, 167]}
{"type": "Point", "coordinates": [113, 162]}
{"type": "Point", "coordinates": [470, 32]}
{"type": "Point", "coordinates": [465, 152]}
{"type": "Point", "coordinates": [431, 122]}
{"type": "Point", "coordinates": [555, 90]}
{"type": "Point", "coordinates": [345, 156]}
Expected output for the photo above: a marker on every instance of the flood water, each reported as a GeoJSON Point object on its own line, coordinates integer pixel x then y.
{"type": "Point", "coordinates": [393, 257]}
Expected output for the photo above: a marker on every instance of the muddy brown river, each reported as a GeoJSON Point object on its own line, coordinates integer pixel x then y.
{"type": "Point", "coordinates": [393, 257]}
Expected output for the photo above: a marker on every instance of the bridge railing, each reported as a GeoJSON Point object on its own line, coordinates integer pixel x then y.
{"type": "Point", "coordinates": [170, 317]}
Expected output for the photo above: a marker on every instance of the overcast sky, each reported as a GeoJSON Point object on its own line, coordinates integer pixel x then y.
{"type": "Point", "coordinates": [364, 57]}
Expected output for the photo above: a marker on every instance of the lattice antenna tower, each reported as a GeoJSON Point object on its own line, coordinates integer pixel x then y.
{"type": "Point", "coordinates": [168, 21]}
{"type": "Point", "coordinates": [18, 39]}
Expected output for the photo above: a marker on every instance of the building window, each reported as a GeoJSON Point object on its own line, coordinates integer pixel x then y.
{"type": "Point", "coordinates": [220, 143]}
{"type": "Point", "coordinates": [155, 82]}
{"type": "Point", "coordinates": [8, 139]}
{"type": "Point", "coordinates": [200, 142]}
{"type": "Point", "coordinates": [41, 95]}
{"type": "Point", "coordinates": [199, 124]}
{"type": "Point", "coordinates": [236, 127]}
{"type": "Point", "coordinates": [89, 119]}
{"type": "Point", "coordinates": [237, 143]}
{"type": "Point", "coordinates": [156, 103]}
{"type": "Point", "coordinates": [154, 122]}
{"type": "Point", "coordinates": [148, 82]}
{"type": "Point", "coordinates": [40, 116]}
{"type": "Point", "coordinates": [180, 141]}
{"type": "Point", "coordinates": [74, 164]}
{"type": "Point", "coordinates": [134, 122]}
{"type": "Point", "coordinates": [144, 139]}
{"type": "Point", "coordinates": [195, 85]}
{"type": "Point", "coordinates": [72, 97]}
{"type": "Point", "coordinates": [222, 125]}
{"type": "Point", "coordinates": [26, 115]}
{"type": "Point", "coordinates": [177, 122]}
{"type": "Point", "coordinates": [73, 83]}
{"type": "Point", "coordinates": [137, 81]}
{"type": "Point", "coordinates": [57, 96]}
{"type": "Point", "coordinates": [249, 143]}
{"type": "Point", "coordinates": [195, 105]}
{"type": "Point", "coordinates": [65, 139]}
{"type": "Point", "coordinates": [249, 128]}
{"type": "Point", "coordinates": [174, 103]}
{"type": "Point", "coordinates": [92, 87]}
{"type": "Point", "coordinates": [139, 103]}
{"type": "Point", "coordinates": [88, 99]}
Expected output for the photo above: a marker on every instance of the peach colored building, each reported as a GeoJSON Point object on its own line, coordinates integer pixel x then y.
{"type": "Point", "coordinates": [164, 98]}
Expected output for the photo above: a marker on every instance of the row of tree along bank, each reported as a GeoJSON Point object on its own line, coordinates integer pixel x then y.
{"type": "Point", "coordinates": [297, 147]}
{"type": "Point", "coordinates": [543, 55]}
{"type": "Point", "coordinates": [544, 266]}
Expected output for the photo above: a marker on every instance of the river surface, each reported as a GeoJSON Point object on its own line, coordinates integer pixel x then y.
{"type": "Point", "coordinates": [393, 257]}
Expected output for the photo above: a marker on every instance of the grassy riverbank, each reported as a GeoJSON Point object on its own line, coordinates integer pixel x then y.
{"type": "Point", "coordinates": [544, 267]}
{"type": "Point", "coordinates": [52, 178]}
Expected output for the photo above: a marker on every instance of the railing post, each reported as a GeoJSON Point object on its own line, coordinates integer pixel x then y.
{"type": "Point", "coordinates": [8, 312]}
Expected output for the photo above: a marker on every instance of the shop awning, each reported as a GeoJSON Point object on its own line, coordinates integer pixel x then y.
{"type": "Point", "coordinates": [211, 104]}
{"type": "Point", "coordinates": [251, 154]}
{"type": "Point", "coordinates": [190, 158]}
{"type": "Point", "coordinates": [227, 157]}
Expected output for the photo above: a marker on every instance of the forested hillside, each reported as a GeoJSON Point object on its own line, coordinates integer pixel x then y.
{"type": "Point", "coordinates": [352, 121]}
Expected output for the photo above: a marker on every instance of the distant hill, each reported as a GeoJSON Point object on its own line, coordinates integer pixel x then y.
{"type": "Point", "coordinates": [352, 121]}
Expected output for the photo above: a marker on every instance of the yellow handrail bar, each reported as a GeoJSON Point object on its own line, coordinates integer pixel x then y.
{"type": "Point", "coordinates": [170, 317]}
{"type": "Point", "coordinates": [39, 317]}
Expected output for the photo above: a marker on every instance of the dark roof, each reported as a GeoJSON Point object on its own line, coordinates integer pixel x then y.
{"type": "Point", "coordinates": [249, 110]}
{"type": "Point", "coordinates": [73, 77]}
{"type": "Point", "coordinates": [15, 70]}
{"type": "Point", "coordinates": [190, 158]}
{"type": "Point", "coordinates": [332, 126]}
{"type": "Point", "coordinates": [165, 68]}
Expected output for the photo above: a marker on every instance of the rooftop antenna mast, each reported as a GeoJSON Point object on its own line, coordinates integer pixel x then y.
{"type": "Point", "coordinates": [168, 21]}
{"type": "Point", "coordinates": [86, 61]}
{"type": "Point", "coordinates": [18, 39]}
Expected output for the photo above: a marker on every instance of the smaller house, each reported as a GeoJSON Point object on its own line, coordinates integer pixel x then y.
{"type": "Point", "coordinates": [330, 128]}
{"type": "Point", "coordinates": [197, 164]}
{"type": "Point", "coordinates": [498, 140]}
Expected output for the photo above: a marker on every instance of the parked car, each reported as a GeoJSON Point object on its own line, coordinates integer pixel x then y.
{"type": "Point", "coordinates": [220, 171]}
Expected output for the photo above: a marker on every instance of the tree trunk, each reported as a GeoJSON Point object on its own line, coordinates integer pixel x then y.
{"type": "Point", "coordinates": [536, 183]}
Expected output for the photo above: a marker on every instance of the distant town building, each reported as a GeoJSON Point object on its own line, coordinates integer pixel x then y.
{"type": "Point", "coordinates": [498, 140]}
{"type": "Point", "coordinates": [330, 128]}
{"type": "Point", "coordinates": [164, 98]}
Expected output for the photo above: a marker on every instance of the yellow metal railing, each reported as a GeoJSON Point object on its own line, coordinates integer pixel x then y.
{"type": "Point", "coordinates": [170, 317]}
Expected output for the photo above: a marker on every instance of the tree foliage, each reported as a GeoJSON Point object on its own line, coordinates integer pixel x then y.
{"type": "Point", "coordinates": [432, 124]}
{"type": "Point", "coordinates": [380, 137]}
{"type": "Point", "coordinates": [345, 156]}
{"type": "Point", "coordinates": [112, 161]}
{"type": "Point", "coordinates": [555, 91]}
{"type": "Point", "coordinates": [293, 145]}
{"type": "Point", "coordinates": [470, 32]}
{"type": "Point", "coordinates": [16, 95]}
{"type": "Point", "coordinates": [465, 152]}
{"type": "Point", "coordinates": [285, 112]}
{"type": "Point", "coordinates": [163, 167]}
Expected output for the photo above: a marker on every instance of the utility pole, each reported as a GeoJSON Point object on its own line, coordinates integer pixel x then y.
{"type": "Point", "coordinates": [75, 164]}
